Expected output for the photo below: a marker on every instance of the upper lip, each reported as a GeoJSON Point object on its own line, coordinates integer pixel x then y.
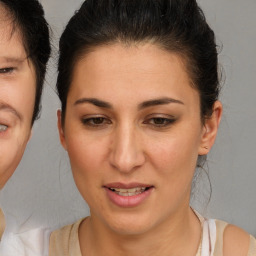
{"type": "Point", "coordinates": [126, 185]}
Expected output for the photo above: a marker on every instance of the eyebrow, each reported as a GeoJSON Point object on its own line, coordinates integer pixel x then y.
{"type": "Point", "coordinates": [160, 101]}
{"type": "Point", "coordinates": [12, 59]}
{"type": "Point", "coordinates": [145, 104]}
{"type": "Point", "coordinates": [96, 102]}
{"type": "Point", "coordinates": [9, 108]}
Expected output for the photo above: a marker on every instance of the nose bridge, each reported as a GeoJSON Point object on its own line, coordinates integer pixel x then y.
{"type": "Point", "coordinates": [127, 150]}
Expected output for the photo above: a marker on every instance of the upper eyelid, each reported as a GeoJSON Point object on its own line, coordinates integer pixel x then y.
{"type": "Point", "coordinates": [91, 116]}
{"type": "Point", "coordinates": [160, 115]}
{"type": "Point", "coordinates": [7, 67]}
{"type": "Point", "coordinates": [7, 123]}
{"type": "Point", "coordinates": [164, 118]}
{"type": "Point", "coordinates": [86, 118]}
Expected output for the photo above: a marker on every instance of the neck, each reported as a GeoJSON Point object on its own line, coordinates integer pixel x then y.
{"type": "Point", "coordinates": [168, 238]}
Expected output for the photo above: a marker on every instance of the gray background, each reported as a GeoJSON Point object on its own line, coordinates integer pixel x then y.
{"type": "Point", "coordinates": [42, 191]}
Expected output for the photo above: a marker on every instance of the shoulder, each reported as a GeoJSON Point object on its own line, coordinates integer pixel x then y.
{"type": "Point", "coordinates": [236, 242]}
{"type": "Point", "coordinates": [64, 240]}
{"type": "Point", "coordinates": [233, 240]}
{"type": "Point", "coordinates": [63, 234]}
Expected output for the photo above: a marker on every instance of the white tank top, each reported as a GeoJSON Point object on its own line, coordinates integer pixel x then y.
{"type": "Point", "coordinates": [208, 238]}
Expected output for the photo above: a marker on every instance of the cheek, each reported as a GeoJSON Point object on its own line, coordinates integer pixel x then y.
{"type": "Point", "coordinates": [10, 155]}
{"type": "Point", "coordinates": [26, 103]}
{"type": "Point", "coordinates": [174, 166]}
{"type": "Point", "coordinates": [174, 158]}
{"type": "Point", "coordinates": [174, 153]}
{"type": "Point", "coordinates": [84, 154]}
{"type": "Point", "coordinates": [86, 158]}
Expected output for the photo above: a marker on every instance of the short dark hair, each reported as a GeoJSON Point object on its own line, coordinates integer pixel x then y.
{"type": "Point", "coordinates": [177, 26]}
{"type": "Point", "coordinates": [28, 17]}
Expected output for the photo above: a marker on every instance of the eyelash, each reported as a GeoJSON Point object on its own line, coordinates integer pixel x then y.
{"type": "Point", "coordinates": [7, 70]}
{"type": "Point", "coordinates": [157, 122]}
{"type": "Point", "coordinates": [91, 121]}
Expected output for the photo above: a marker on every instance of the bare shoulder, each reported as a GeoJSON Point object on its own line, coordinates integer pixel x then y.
{"type": "Point", "coordinates": [235, 241]}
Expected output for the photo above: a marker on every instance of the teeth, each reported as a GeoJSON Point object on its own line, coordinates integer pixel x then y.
{"type": "Point", "coordinates": [128, 191]}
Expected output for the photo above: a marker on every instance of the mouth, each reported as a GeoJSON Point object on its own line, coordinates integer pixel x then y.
{"type": "Point", "coordinates": [128, 195]}
{"type": "Point", "coordinates": [129, 191]}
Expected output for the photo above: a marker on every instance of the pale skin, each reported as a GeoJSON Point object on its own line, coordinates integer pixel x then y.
{"type": "Point", "coordinates": [17, 97]}
{"type": "Point", "coordinates": [133, 116]}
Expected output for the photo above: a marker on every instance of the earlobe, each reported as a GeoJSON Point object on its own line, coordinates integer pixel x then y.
{"type": "Point", "coordinates": [61, 131]}
{"type": "Point", "coordinates": [210, 129]}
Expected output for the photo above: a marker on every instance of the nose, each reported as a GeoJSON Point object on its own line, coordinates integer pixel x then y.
{"type": "Point", "coordinates": [127, 151]}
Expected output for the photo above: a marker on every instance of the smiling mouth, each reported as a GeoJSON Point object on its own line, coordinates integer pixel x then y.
{"type": "Point", "coordinates": [127, 195]}
{"type": "Point", "coordinates": [129, 191]}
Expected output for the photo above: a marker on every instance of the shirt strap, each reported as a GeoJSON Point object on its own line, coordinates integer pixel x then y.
{"type": "Point", "coordinates": [220, 227]}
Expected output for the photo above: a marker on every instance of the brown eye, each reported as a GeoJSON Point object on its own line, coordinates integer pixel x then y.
{"type": "Point", "coordinates": [96, 121]}
{"type": "Point", "coordinates": [160, 121]}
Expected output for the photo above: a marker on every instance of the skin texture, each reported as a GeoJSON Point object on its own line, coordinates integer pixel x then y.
{"type": "Point", "coordinates": [17, 96]}
{"type": "Point", "coordinates": [127, 140]}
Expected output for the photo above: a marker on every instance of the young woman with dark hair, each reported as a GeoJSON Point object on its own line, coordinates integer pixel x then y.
{"type": "Point", "coordinates": [24, 52]}
{"type": "Point", "coordinates": [138, 83]}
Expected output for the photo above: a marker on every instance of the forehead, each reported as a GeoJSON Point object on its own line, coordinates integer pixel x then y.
{"type": "Point", "coordinates": [6, 20]}
{"type": "Point", "coordinates": [141, 71]}
{"type": "Point", "coordinates": [118, 61]}
{"type": "Point", "coordinates": [10, 36]}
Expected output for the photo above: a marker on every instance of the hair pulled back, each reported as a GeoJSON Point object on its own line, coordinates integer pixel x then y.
{"type": "Point", "coordinates": [178, 26]}
{"type": "Point", "coordinates": [28, 17]}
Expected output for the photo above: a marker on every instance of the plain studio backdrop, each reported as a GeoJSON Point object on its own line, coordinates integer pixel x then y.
{"type": "Point", "coordinates": [42, 191]}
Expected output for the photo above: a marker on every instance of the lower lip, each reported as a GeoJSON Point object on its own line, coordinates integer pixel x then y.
{"type": "Point", "coordinates": [128, 201]}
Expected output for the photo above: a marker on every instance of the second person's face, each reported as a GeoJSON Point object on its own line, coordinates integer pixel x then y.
{"type": "Point", "coordinates": [133, 133]}
{"type": "Point", "coordinates": [17, 96]}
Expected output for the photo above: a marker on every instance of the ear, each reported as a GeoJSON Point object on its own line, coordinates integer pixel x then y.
{"type": "Point", "coordinates": [210, 129]}
{"type": "Point", "coordinates": [61, 131]}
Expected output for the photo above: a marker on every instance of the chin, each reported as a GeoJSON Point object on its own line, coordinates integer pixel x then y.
{"type": "Point", "coordinates": [130, 224]}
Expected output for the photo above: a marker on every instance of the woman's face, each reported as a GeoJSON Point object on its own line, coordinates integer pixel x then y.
{"type": "Point", "coordinates": [17, 96]}
{"type": "Point", "coordinates": [133, 133]}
